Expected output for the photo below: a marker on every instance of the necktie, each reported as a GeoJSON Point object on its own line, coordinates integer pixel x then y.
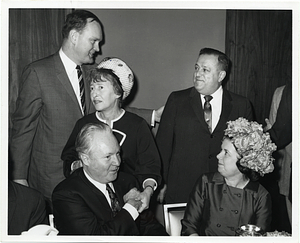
{"type": "Point", "coordinates": [115, 205]}
{"type": "Point", "coordinates": [207, 111]}
{"type": "Point", "coordinates": [81, 86]}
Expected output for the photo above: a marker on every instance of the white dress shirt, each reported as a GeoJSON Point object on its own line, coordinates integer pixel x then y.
{"type": "Point", "coordinates": [102, 187]}
{"type": "Point", "coordinates": [71, 70]}
{"type": "Point", "coordinates": [216, 106]}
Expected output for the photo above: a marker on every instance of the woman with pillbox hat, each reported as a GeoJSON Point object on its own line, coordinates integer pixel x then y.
{"type": "Point", "coordinates": [110, 83]}
{"type": "Point", "coordinates": [223, 201]}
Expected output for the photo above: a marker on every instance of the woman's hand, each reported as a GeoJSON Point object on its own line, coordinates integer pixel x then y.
{"type": "Point", "coordinates": [162, 194]}
{"type": "Point", "coordinates": [145, 197]}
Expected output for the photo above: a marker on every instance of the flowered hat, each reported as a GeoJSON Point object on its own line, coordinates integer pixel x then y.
{"type": "Point", "coordinates": [252, 144]}
{"type": "Point", "coordinates": [120, 69]}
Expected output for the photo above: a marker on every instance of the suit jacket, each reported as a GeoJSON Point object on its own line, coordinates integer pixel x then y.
{"type": "Point", "coordinates": [82, 209]}
{"type": "Point", "coordinates": [186, 146]}
{"type": "Point", "coordinates": [26, 208]}
{"type": "Point", "coordinates": [46, 112]}
{"type": "Point", "coordinates": [281, 131]}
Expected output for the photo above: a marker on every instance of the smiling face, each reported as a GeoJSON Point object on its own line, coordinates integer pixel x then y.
{"type": "Point", "coordinates": [208, 76]}
{"type": "Point", "coordinates": [103, 160]}
{"type": "Point", "coordinates": [103, 95]}
{"type": "Point", "coordinates": [86, 42]}
{"type": "Point", "coordinates": [227, 159]}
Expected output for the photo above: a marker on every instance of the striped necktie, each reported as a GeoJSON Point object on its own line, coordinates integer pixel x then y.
{"type": "Point", "coordinates": [81, 86]}
{"type": "Point", "coordinates": [115, 205]}
{"type": "Point", "coordinates": [207, 111]}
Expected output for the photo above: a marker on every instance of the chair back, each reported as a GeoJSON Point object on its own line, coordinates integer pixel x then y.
{"type": "Point", "coordinates": [173, 213]}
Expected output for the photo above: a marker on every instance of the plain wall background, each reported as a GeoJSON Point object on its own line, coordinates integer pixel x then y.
{"type": "Point", "coordinates": [161, 46]}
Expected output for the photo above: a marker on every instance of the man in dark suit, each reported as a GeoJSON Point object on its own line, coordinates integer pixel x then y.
{"type": "Point", "coordinates": [83, 204]}
{"type": "Point", "coordinates": [50, 102]}
{"type": "Point", "coordinates": [26, 208]}
{"type": "Point", "coordinates": [191, 129]}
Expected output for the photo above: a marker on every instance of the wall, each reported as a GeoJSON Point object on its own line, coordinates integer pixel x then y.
{"type": "Point", "coordinates": [161, 46]}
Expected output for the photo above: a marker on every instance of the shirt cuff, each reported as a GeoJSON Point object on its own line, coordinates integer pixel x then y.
{"type": "Point", "coordinates": [150, 179]}
{"type": "Point", "coordinates": [131, 210]}
{"type": "Point", "coordinates": [153, 119]}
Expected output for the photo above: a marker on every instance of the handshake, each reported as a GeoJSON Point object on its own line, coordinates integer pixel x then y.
{"type": "Point", "coordinates": [137, 199]}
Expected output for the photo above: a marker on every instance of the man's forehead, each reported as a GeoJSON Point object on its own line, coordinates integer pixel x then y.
{"type": "Point", "coordinates": [207, 59]}
{"type": "Point", "coordinates": [106, 139]}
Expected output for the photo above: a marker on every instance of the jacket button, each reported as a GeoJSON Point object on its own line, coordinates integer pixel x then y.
{"type": "Point", "coordinates": [236, 211]}
{"type": "Point", "coordinates": [218, 225]}
{"type": "Point", "coordinates": [221, 209]}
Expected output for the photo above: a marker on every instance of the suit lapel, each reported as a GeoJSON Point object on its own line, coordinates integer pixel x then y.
{"type": "Point", "coordinates": [89, 105]}
{"type": "Point", "coordinates": [196, 104]}
{"type": "Point", "coordinates": [64, 79]}
{"type": "Point", "coordinates": [226, 109]}
{"type": "Point", "coordinates": [119, 193]}
{"type": "Point", "coordinates": [101, 198]}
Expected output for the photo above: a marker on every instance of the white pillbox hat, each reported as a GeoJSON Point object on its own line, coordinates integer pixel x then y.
{"type": "Point", "coordinates": [120, 69]}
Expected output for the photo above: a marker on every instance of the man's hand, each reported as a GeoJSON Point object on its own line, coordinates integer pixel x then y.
{"type": "Point", "coordinates": [133, 197]}
{"type": "Point", "coordinates": [158, 113]}
{"type": "Point", "coordinates": [135, 203]}
{"type": "Point", "coordinates": [132, 194]}
{"type": "Point", "coordinates": [162, 194]}
{"type": "Point", "coordinates": [268, 125]}
{"type": "Point", "coordinates": [22, 182]}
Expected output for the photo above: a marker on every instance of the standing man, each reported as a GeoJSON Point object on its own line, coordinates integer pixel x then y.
{"type": "Point", "coordinates": [193, 123]}
{"type": "Point", "coordinates": [97, 199]}
{"type": "Point", "coordinates": [53, 96]}
{"type": "Point", "coordinates": [50, 102]}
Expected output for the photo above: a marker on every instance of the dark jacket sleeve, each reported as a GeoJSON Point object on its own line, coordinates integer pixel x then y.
{"type": "Point", "coordinates": [165, 133]}
{"type": "Point", "coordinates": [281, 131]}
{"type": "Point", "coordinates": [69, 154]}
{"type": "Point", "coordinates": [264, 210]}
{"type": "Point", "coordinates": [194, 211]}
{"type": "Point", "coordinates": [25, 120]}
{"type": "Point", "coordinates": [249, 111]}
{"type": "Point", "coordinates": [26, 208]}
{"type": "Point", "coordinates": [149, 164]}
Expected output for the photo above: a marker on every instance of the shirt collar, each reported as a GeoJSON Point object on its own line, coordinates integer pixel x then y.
{"type": "Point", "coordinates": [216, 95]}
{"type": "Point", "coordinates": [100, 186]}
{"type": "Point", "coordinates": [70, 66]}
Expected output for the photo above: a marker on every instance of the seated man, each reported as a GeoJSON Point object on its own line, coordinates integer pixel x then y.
{"type": "Point", "coordinates": [97, 199]}
{"type": "Point", "coordinates": [26, 208]}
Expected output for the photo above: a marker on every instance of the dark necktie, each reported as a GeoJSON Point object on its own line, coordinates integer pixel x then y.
{"type": "Point", "coordinates": [81, 86]}
{"type": "Point", "coordinates": [207, 111]}
{"type": "Point", "coordinates": [115, 205]}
